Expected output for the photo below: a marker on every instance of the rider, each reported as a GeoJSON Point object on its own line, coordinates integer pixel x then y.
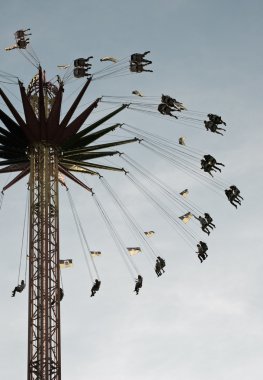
{"type": "Point", "coordinates": [210, 160]}
{"type": "Point", "coordinates": [80, 72]}
{"type": "Point", "coordinates": [95, 287]}
{"type": "Point", "coordinates": [159, 265]}
{"type": "Point", "coordinates": [203, 223]}
{"type": "Point", "coordinates": [211, 126]}
{"type": "Point", "coordinates": [171, 102]}
{"type": "Point", "coordinates": [207, 167]}
{"type": "Point", "coordinates": [22, 44]}
{"type": "Point", "coordinates": [138, 284]}
{"type": "Point", "coordinates": [236, 192]}
{"type": "Point", "coordinates": [19, 288]}
{"type": "Point", "coordinates": [22, 33]}
{"type": "Point", "coordinates": [216, 119]}
{"type": "Point", "coordinates": [166, 110]}
{"type": "Point", "coordinates": [232, 197]}
{"type": "Point", "coordinates": [139, 58]}
{"type": "Point", "coordinates": [158, 268]}
{"type": "Point", "coordinates": [204, 247]}
{"type": "Point", "coordinates": [162, 262]}
{"type": "Point", "coordinates": [209, 220]}
{"type": "Point", "coordinates": [61, 296]}
{"type": "Point", "coordinates": [139, 68]}
{"type": "Point", "coordinates": [82, 62]}
{"type": "Point", "coordinates": [202, 255]}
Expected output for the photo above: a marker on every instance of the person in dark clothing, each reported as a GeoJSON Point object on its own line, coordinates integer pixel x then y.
{"type": "Point", "coordinates": [159, 265]}
{"type": "Point", "coordinates": [232, 197]}
{"type": "Point", "coordinates": [166, 110]}
{"type": "Point", "coordinates": [206, 167]}
{"type": "Point", "coordinates": [203, 223]}
{"type": "Point", "coordinates": [80, 72]}
{"type": "Point", "coordinates": [158, 268]}
{"type": "Point", "coordinates": [212, 127]}
{"type": "Point", "coordinates": [22, 44]}
{"type": "Point", "coordinates": [95, 287]}
{"type": "Point", "coordinates": [215, 119]}
{"type": "Point", "coordinates": [209, 163]}
{"type": "Point", "coordinates": [138, 58]}
{"type": "Point", "coordinates": [209, 220]}
{"type": "Point", "coordinates": [61, 296]}
{"type": "Point", "coordinates": [22, 33]}
{"type": "Point", "coordinates": [138, 284]}
{"type": "Point", "coordinates": [139, 68]}
{"type": "Point", "coordinates": [83, 62]}
{"type": "Point", "coordinates": [200, 253]}
{"type": "Point", "coordinates": [171, 102]}
{"type": "Point", "coordinates": [162, 263]}
{"type": "Point", "coordinates": [204, 247]}
{"type": "Point", "coordinates": [210, 159]}
{"type": "Point", "coordinates": [236, 192]}
{"type": "Point", "coordinates": [19, 288]}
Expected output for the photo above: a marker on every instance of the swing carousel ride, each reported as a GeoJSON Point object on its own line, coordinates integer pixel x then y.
{"type": "Point", "coordinates": [47, 147]}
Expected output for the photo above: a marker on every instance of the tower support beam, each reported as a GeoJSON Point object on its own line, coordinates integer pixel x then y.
{"type": "Point", "coordinates": [44, 355]}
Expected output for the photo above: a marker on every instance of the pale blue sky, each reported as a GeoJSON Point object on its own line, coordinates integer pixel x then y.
{"type": "Point", "coordinates": [198, 322]}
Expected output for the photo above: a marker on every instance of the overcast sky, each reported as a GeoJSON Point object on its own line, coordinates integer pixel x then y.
{"type": "Point", "coordinates": [196, 322]}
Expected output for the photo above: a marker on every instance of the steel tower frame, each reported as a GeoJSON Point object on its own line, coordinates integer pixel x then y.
{"type": "Point", "coordinates": [44, 348]}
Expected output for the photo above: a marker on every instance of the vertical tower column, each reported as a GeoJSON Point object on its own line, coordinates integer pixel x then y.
{"type": "Point", "coordinates": [44, 356]}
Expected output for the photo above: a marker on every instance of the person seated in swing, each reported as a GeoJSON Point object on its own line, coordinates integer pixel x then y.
{"type": "Point", "coordinates": [158, 268]}
{"type": "Point", "coordinates": [203, 223]}
{"type": "Point", "coordinates": [80, 72]}
{"type": "Point", "coordinates": [212, 127]}
{"type": "Point", "coordinates": [202, 255]}
{"type": "Point", "coordinates": [19, 288]}
{"type": "Point", "coordinates": [212, 161]}
{"type": "Point", "coordinates": [61, 296]}
{"type": "Point", "coordinates": [215, 119]}
{"type": "Point", "coordinates": [171, 102]}
{"type": "Point", "coordinates": [83, 62]}
{"type": "Point", "coordinates": [139, 58]}
{"type": "Point", "coordinates": [95, 287]}
{"type": "Point", "coordinates": [138, 284]}
{"type": "Point", "coordinates": [209, 221]}
{"type": "Point", "coordinates": [162, 263]}
{"type": "Point", "coordinates": [22, 44]}
{"type": "Point", "coordinates": [232, 197]}
{"type": "Point", "coordinates": [236, 192]}
{"type": "Point", "coordinates": [209, 162]}
{"type": "Point", "coordinates": [139, 68]}
{"type": "Point", "coordinates": [206, 167]}
{"type": "Point", "coordinates": [204, 247]}
{"type": "Point", "coordinates": [22, 33]}
{"type": "Point", "coordinates": [166, 110]}
{"type": "Point", "coordinates": [159, 265]}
